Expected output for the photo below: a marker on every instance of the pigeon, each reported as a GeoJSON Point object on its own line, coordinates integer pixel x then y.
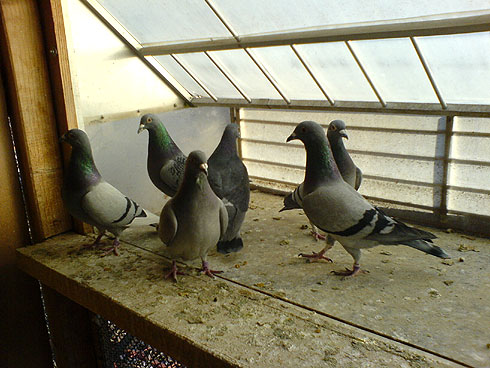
{"type": "Point", "coordinates": [350, 173]}
{"type": "Point", "coordinates": [228, 178]}
{"type": "Point", "coordinates": [89, 198]}
{"type": "Point", "coordinates": [194, 219]}
{"type": "Point", "coordinates": [339, 210]}
{"type": "Point", "coordinates": [166, 161]}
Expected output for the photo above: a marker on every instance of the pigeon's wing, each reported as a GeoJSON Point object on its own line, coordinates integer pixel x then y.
{"type": "Point", "coordinates": [172, 173]}
{"type": "Point", "coordinates": [339, 210]}
{"type": "Point", "coordinates": [294, 199]}
{"type": "Point", "coordinates": [107, 206]}
{"type": "Point", "coordinates": [229, 180]}
{"type": "Point", "coordinates": [390, 231]}
{"type": "Point", "coordinates": [168, 224]}
{"type": "Point", "coordinates": [223, 219]}
{"type": "Point", "coordinates": [358, 178]}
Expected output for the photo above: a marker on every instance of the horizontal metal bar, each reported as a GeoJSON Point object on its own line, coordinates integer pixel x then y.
{"type": "Point", "coordinates": [465, 22]}
{"type": "Point", "coordinates": [350, 127]}
{"type": "Point", "coordinates": [473, 110]}
{"type": "Point", "coordinates": [370, 177]}
{"type": "Point", "coordinates": [195, 78]}
{"type": "Point", "coordinates": [359, 152]}
{"type": "Point", "coordinates": [468, 162]}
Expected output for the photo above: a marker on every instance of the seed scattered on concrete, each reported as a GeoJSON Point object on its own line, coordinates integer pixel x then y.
{"type": "Point", "coordinates": [467, 248]}
{"type": "Point", "coordinates": [448, 262]}
{"type": "Point", "coordinates": [284, 242]}
{"type": "Point", "coordinates": [448, 282]}
{"type": "Point", "coordinates": [277, 218]}
{"type": "Point", "coordinates": [434, 293]}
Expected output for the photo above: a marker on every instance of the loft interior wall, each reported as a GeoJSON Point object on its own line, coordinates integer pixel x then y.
{"type": "Point", "coordinates": [401, 156]}
{"type": "Point", "coordinates": [113, 88]}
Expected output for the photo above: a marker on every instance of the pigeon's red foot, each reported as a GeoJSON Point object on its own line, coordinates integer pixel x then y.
{"type": "Point", "coordinates": [350, 273]}
{"type": "Point", "coordinates": [96, 243]}
{"type": "Point", "coordinates": [316, 256]}
{"type": "Point", "coordinates": [113, 249]}
{"type": "Point", "coordinates": [174, 272]}
{"type": "Point", "coordinates": [207, 271]}
{"type": "Point", "coordinates": [317, 236]}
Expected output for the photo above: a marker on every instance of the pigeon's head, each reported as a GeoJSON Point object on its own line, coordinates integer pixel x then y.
{"type": "Point", "coordinates": [307, 131]}
{"type": "Point", "coordinates": [76, 138]}
{"type": "Point", "coordinates": [197, 163]}
{"type": "Point", "coordinates": [336, 130]}
{"type": "Point", "coordinates": [232, 131]}
{"type": "Point", "coordinates": [148, 121]}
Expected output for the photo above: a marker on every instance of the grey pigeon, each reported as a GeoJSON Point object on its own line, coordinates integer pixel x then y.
{"type": "Point", "coordinates": [228, 178]}
{"type": "Point", "coordinates": [166, 161]}
{"type": "Point", "coordinates": [194, 219]}
{"type": "Point", "coordinates": [349, 171]}
{"type": "Point", "coordinates": [91, 199]}
{"type": "Point", "coordinates": [339, 210]}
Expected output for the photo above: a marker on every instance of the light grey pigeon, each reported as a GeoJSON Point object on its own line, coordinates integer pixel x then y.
{"type": "Point", "coordinates": [165, 161]}
{"type": "Point", "coordinates": [350, 173]}
{"type": "Point", "coordinates": [194, 219]}
{"type": "Point", "coordinates": [339, 210]}
{"type": "Point", "coordinates": [228, 178]}
{"type": "Point", "coordinates": [91, 199]}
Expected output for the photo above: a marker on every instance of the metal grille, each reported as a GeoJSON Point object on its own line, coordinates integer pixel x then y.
{"type": "Point", "coordinates": [119, 349]}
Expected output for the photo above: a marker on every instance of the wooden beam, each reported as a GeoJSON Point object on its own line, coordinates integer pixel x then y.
{"type": "Point", "coordinates": [21, 321]}
{"type": "Point", "coordinates": [33, 117]}
{"type": "Point", "coordinates": [70, 331]}
{"type": "Point", "coordinates": [60, 76]}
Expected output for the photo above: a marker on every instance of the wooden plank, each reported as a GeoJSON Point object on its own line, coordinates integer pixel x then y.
{"type": "Point", "coordinates": [61, 82]}
{"type": "Point", "coordinates": [203, 322]}
{"type": "Point", "coordinates": [33, 116]}
{"type": "Point", "coordinates": [70, 330]}
{"type": "Point", "coordinates": [23, 321]}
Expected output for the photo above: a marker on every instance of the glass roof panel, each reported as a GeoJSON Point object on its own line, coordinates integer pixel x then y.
{"type": "Point", "coordinates": [460, 65]}
{"type": "Point", "coordinates": [176, 71]}
{"type": "Point", "coordinates": [337, 71]}
{"type": "Point", "coordinates": [292, 77]}
{"type": "Point", "coordinates": [169, 21]}
{"type": "Point", "coordinates": [201, 66]}
{"type": "Point", "coordinates": [259, 16]}
{"type": "Point", "coordinates": [245, 73]}
{"type": "Point", "coordinates": [395, 69]}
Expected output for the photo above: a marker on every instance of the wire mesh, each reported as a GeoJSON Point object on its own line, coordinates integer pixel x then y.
{"type": "Point", "coordinates": [119, 349]}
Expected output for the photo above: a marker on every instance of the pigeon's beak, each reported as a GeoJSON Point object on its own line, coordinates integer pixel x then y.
{"type": "Point", "coordinates": [292, 136]}
{"type": "Point", "coordinates": [343, 133]}
{"type": "Point", "coordinates": [204, 167]}
{"type": "Point", "coordinates": [141, 128]}
{"type": "Point", "coordinates": [63, 138]}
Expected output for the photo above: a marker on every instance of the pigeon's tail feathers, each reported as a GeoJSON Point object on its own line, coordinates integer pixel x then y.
{"type": "Point", "coordinates": [293, 200]}
{"type": "Point", "coordinates": [144, 217]}
{"type": "Point", "coordinates": [428, 248]}
{"type": "Point", "coordinates": [229, 246]}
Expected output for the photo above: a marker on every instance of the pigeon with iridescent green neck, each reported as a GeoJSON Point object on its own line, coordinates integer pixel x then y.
{"type": "Point", "coordinates": [166, 161]}
{"type": "Point", "coordinates": [91, 199]}
{"type": "Point", "coordinates": [194, 219]}
{"type": "Point", "coordinates": [339, 210]}
{"type": "Point", "coordinates": [351, 174]}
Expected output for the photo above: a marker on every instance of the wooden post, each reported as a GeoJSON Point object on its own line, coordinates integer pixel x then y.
{"type": "Point", "coordinates": [71, 331]}
{"type": "Point", "coordinates": [24, 336]}
{"type": "Point", "coordinates": [33, 117]}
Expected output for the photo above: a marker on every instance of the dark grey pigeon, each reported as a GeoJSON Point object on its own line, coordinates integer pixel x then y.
{"type": "Point", "coordinates": [349, 171]}
{"type": "Point", "coordinates": [165, 161]}
{"type": "Point", "coordinates": [91, 199]}
{"type": "Point", "coordinates": [339, 210]}
{"type": "Point", "coordinates": [228, 178]}
{"type": "Point", "coordinates": [194, 219]}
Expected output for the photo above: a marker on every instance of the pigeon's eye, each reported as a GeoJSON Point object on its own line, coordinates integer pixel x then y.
{"type": "Point", "coordinates": [149, 120]}
{"type": "Point", "coordinates": [333, 127]}
{"type": "Point", "coordinates": [303, 130]}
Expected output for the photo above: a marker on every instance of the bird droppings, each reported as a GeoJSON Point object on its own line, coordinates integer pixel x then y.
{"type": "Point", "coordinates": [467, 248]}
{"type": "Point", "coordinates": [277, 218]}
{"type": "Point", "coordinates": [448, 282]}
{"type": "Point", "coordinates": [284, 242]}
{"type": "Point", "coordinates": [434, 293]}
{"type": "Point", "coordinates": [386, 253]}
{"type": "Point", "coordinates": [448, 262]}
